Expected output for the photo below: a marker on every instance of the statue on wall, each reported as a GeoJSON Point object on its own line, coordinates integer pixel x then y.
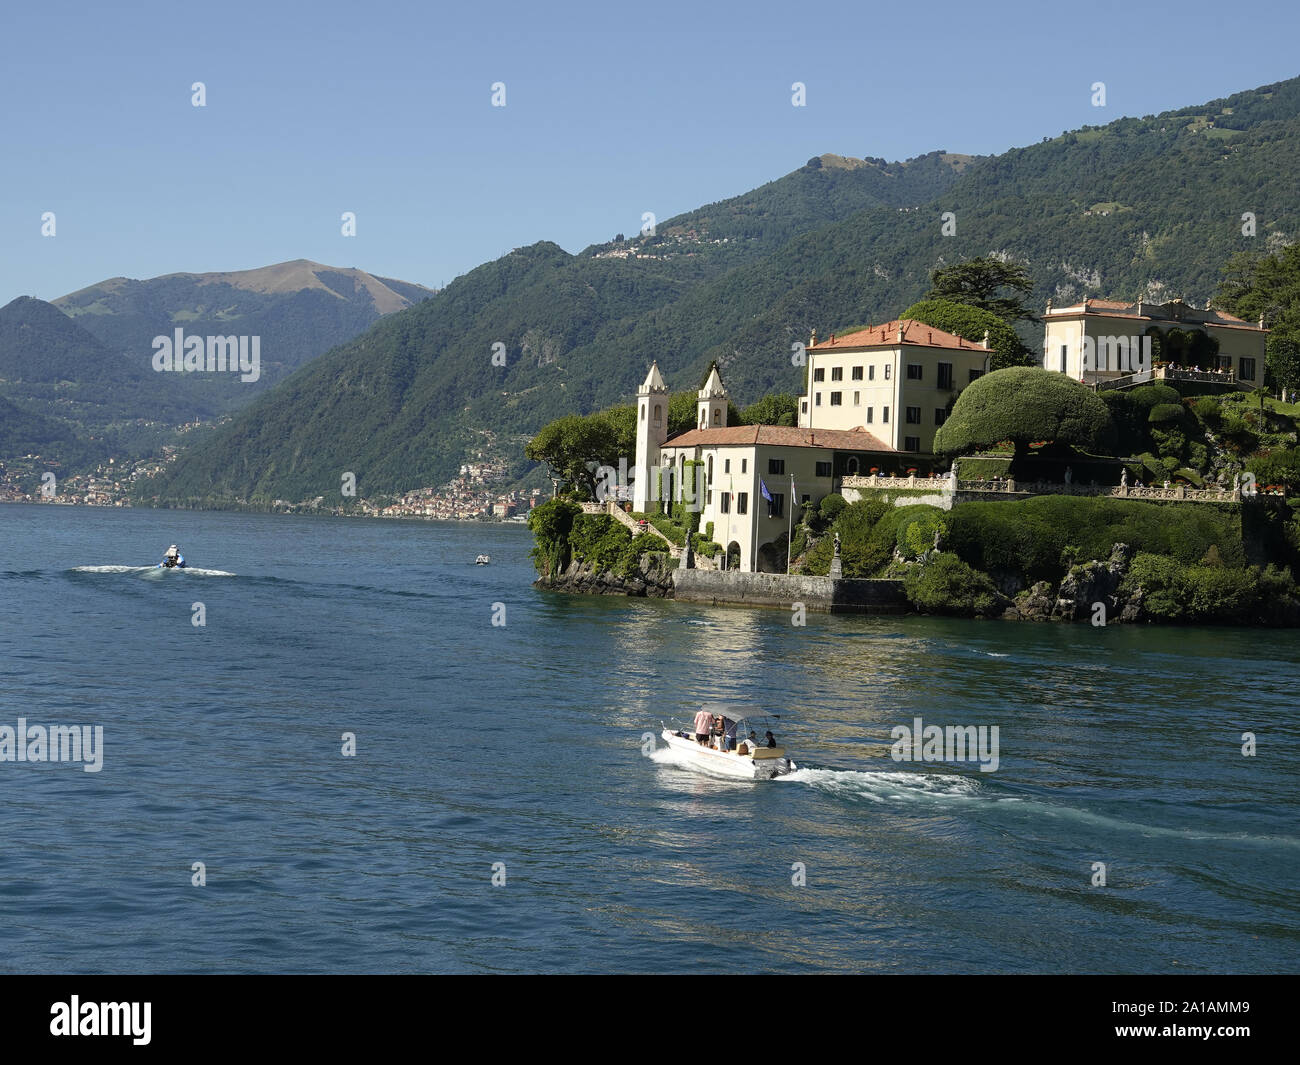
{"type": "Point", "coordinates": [837, 545]}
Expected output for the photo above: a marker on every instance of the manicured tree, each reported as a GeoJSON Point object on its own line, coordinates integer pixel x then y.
{"type": "Point", "coordinates": [1025, 404]}
{"type": "Point", "coordinates": [971, 323]}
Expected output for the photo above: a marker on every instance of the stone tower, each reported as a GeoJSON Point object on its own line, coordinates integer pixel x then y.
{"type": "Point", "coordinates": [711, 410]}
{"type": "Point", "coordinates": [651, 432]}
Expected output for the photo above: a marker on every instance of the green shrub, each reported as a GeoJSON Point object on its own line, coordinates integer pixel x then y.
{"type": "Point", "coordinates": [1165, 413]}
{"type": "Point", "coordinates": [1276, 467]}
{"type": "Point", "coordinates": [1198, 593]}
{"type": "Point", "coordinates": [946, 585]}
{"type": "Point", "coordinates": [1209, 411]}
{"type": "Point", "coordinates": [831, 506]}
{"type": "Point", "coordinates": [1026, 538]}
{"type": "Point", "coordinates": [551, 523]}
{"type": "Point", "coordinates": [864, 547]}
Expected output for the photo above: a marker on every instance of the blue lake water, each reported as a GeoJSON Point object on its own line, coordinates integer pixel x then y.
{"type": "Point", "coordinates": [521, 744]}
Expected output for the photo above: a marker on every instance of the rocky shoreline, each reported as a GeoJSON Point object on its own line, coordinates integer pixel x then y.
{"type": "Point", "coordinates": [653, 579]}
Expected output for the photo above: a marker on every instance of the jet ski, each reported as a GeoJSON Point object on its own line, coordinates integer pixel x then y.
{"type": "Point", "coordinates": [173, 559]}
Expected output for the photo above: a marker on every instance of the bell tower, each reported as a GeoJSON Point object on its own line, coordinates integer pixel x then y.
{"type": "Point", "coordinates": [711, 408]}
{"type": "Point", "coordinates": [651, 432]}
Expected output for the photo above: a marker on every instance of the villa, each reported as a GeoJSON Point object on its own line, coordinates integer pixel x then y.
{"type": "Point", "coordinates": [874, 399]}
{"type": "Point", "coordinates": [1094, 342]}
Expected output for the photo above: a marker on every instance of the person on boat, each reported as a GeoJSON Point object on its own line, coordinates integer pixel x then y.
{"type": "Point", "coordinates": [771, 740]}
{"type": "Point", "coordinates": [728, 734]}
{"type": "Point", "coordinates": [173, 559]}
{"type": "Point", "coordinates": [703, 726]}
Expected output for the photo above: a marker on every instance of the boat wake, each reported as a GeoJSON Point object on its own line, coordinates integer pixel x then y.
{"type": "Point", "coordinates": [152, 571]}
{"type": "Point", "coordinates": [892, 787]}
{"type": "Point", "coordinates": [886, 786]}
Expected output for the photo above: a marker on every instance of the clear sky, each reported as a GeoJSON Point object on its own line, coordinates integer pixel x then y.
{"type": "Point", "coordinates": [385, 109]}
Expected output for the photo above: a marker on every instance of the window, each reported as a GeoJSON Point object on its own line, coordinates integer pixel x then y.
{"type": "Point", "coordinates": [742, 503]}
{"type": "Point", "coordinates": [837, 373]}
{"type": "Point", "coordinates": [819, 374]}
{"type": "Point", "coordinates": [776, 505]}
{"type": "Point", "coordinates": [776, 465]}
{"type": "Point", "coordinates": [1064, 350]}
{"type": "Point", "coordinates": [857, 373]}
{"type": "Point", "coordinates": [851, 467]}
{"type": "Point", "coordinates": [975, 375]}
{"type": "Point", "coordinates": [803, 406]}
{"type": "Point", "coordinates": [870, 411]}
{"type": "Point", "coordinates": [823, 469]}
{"type": "Point", "coordinates": [911, 443]}
{"type": "Point", "coordinates": [914, 371]}
{"type": "Point", "coordinates": [837, 399]}
{"type": "Point", "coordinates": [940, 415]}
{"type": "Point", "coordinates": [857, 399]}
{"type": "Point", "coordinates": [871, 372]}
{"type": "Point", "coordinates": [804, 500]}
{"type": "Point", "coordinates": [817, 399]}
{"type": "Point", "coordinates": [744, 465]}
{"type": "Point", "coordinates": [726, 502]}
{"type": "Point", "coordinates": [884, 414]}
{"type": "Point", "coordinates": [944, 370]}
{"type": "Point", "coordinates": [643, 412]}
{"type": "Point", "coordinates": [888, 368]}
{"type": "Point", "coordinates": [726, 465]}
{"type": "Point", "coordinates": [913, 415]}
{"type": "Point", "coordinates": [1247, 369]}
{"type": "Point", "coordinates": [659, 414]}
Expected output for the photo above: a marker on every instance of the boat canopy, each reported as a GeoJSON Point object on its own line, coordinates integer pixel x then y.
{"type": "Point", "coordinates": [747, 717]}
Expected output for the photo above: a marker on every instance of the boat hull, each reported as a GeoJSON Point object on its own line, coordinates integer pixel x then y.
{"type": "Point", "coordinates": [764, 764]}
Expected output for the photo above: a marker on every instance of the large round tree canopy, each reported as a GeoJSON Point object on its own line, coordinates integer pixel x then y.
{"type": "Point", "coordinates": [1025, 404]}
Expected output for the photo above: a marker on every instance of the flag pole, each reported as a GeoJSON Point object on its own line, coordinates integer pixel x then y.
{"type": "Point", "coordinates": [789, 528]}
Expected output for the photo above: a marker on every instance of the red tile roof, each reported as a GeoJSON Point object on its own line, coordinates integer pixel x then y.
{"type": "Point", "coordinates": [780, 436]}
{"type": "Point", "coordinates": [915, 333]}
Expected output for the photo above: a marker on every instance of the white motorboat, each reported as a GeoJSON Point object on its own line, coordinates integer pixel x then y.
{"type": "Point", "coordinates": [741, 744]}
{"type": "Point", "coordinates": [482, 560]}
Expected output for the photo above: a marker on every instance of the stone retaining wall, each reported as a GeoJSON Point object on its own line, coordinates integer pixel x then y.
{"type": "Point", "coordinates": [822, 594]}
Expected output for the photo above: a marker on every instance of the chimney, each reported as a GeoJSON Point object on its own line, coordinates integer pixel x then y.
{"type": "Point", "coordinates": [813, 342]}
{"type": "Point", "coordinates": [1049, 304]}
{"type": "Point", "coordinates": [986, 340]}
{"type": "Point", "coordinates": [900, 332]}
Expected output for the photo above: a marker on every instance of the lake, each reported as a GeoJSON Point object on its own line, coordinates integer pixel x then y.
{"type": "Point", "coordinates": [514, 752]}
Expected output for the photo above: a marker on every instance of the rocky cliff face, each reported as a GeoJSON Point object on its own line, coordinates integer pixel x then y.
{"type": "Point", "coordinates": [1081, 590]}
{"type": "Point", "coordinates": [653, 578]}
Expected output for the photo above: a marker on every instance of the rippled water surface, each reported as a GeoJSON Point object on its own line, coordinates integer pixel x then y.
{"type": "Point", "coordinates": [522, 744]}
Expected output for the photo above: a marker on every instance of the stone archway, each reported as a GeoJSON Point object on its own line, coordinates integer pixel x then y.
{"type": "Point", "coordinates": [733, 555]}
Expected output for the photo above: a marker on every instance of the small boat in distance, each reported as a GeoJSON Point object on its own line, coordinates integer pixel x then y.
{"type": "Point", "coordinates": [173, 559]}
{"type": "Point", "coordinates": [482, 560]}
{"type": "Point", "coordinates": [740, 744]}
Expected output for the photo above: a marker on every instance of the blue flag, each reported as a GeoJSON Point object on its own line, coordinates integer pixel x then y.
{"type": "Point", "coordinates": [766, 494]}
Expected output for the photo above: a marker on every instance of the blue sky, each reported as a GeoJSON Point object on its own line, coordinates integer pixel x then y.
{"type": "Point", "coordinates": [384, 109]}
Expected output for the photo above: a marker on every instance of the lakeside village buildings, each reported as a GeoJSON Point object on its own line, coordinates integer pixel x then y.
{"type": "Point", "coordinates": [873, 403]}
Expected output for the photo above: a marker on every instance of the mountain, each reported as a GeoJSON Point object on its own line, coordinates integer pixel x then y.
{"type": "Point", "coordinates": [299, 309]}
{"type": "Point", "coordinates": [1149, 206]}
{"type": "Point", "coordinates": [409, 398]}
{"type": "Point", "coordinates": [52, 368]}
{"type": "Point", "coordinates": [57, 443]}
